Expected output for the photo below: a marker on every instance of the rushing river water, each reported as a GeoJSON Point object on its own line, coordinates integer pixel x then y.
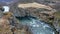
{"type": "Point", "coordinates": [37, 26]}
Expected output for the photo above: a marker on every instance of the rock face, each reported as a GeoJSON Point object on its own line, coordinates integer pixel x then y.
{"type": "Point", "coordinates": [4, 26]}
{"type": "Point", "coordinates": [28, 8]}
{"type": "Point", "coordinates": [32, 3]}
{"type": "Point", "coordinates": [45, 4]}
{"type": "Point", "coordinates": [8, 25]}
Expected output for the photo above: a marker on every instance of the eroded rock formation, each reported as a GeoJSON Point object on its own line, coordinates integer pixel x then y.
{"type": "Point", "coordinates": [9, 25]}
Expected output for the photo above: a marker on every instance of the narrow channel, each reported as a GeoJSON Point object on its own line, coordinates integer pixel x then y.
{"type": "Point", "coordinates": [36, 26]}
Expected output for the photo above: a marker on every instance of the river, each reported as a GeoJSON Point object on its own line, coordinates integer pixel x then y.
{"type": "Point", "coordinates": [36, 26]}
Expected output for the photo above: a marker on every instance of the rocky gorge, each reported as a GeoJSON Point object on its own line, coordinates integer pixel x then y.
{"type": "Point", "coordinates": [44, 10]}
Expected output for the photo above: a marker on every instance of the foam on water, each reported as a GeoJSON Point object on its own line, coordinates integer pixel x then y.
{"type": "Point", "coordinates": [37, 26]}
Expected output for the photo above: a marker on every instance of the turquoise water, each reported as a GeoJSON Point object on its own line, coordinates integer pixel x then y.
{"type": "Point", "coordinates": [36, 26]}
